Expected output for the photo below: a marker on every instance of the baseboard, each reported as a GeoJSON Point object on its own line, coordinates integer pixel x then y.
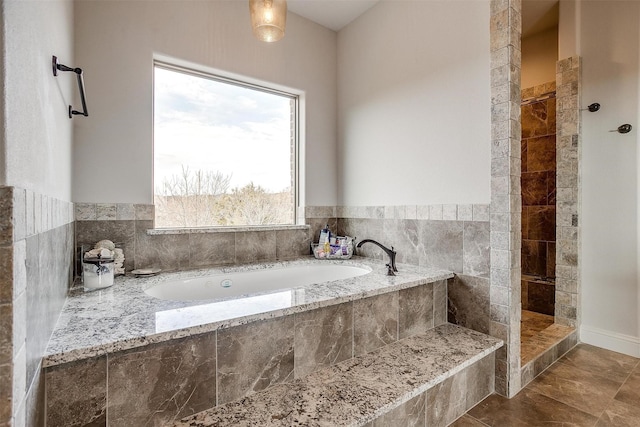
{"type": "Point", "coordinates": [613, 341]}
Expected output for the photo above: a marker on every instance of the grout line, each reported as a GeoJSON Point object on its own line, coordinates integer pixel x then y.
{"type": "Point", "coordinates": [578, 368]}
{"type": "Point", "coordinates": [398, 318]}
{"type": "Point", "coordinates": [477, 404]}
{"type": "Point", "coordinates": [216, 373]}
{"type": "Point", "coordinates": [353, 329]}
{"type": "Point", "coordinates": [618, 391]}
{"type": "Point", "coordinates": [624, 382]}
{"type": "Point", "coordinates": [106, 391]}
{"type": "Point", "coordinates": [564, 403]}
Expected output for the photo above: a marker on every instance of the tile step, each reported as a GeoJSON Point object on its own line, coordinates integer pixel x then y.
{"type": "Point", "coordinates": [360, 390]}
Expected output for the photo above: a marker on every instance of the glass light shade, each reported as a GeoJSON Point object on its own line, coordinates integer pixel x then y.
{"type": "Point", "coordinates": [268, 19]}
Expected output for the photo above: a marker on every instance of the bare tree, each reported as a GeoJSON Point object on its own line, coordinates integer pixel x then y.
{"type": "Point", "coordinates": [201, 198]}
{"type": "Point", "coordinates": [252, 205]}
{"type": "Point", "coordinates": [189, 199]}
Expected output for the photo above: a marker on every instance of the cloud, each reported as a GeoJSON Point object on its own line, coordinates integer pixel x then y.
{"type": "Point", "coordinates": [216, 126]}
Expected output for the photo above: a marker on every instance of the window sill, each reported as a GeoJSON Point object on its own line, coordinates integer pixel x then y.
{"type": "Point", "coordinates": [200, 230]}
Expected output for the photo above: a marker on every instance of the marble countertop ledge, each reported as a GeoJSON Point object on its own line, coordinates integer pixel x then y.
{"type": "Point", "coordinates": [359, 390]}
{"type": "Point", "coordinates": [124, 316]}
{"type": "Point", "coordinates": [225, 229]}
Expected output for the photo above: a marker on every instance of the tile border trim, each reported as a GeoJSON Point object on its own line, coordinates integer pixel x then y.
{"type": "Point", "coordinates": [437, 212]}
{"type": "Point", "coordinates": [27, 213]}
{"type": "Point", "coordinates": [114, 211]}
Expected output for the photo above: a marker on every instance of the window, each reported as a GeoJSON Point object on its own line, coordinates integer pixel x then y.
{"type": "Point", "coordinates": [224, 151]}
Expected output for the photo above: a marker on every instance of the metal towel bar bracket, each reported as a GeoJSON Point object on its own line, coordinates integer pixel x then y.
{"type": "Point", "coordinates": [59, 67]}
{"type": "Point", "coordinates": [625, 128]}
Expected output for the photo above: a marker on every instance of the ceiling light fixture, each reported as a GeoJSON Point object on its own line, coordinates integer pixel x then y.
{"type": "Point", "coordinates": [268, 19]}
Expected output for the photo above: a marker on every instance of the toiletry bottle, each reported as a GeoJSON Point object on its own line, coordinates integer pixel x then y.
{"type": "Point", "coordinates": [325, 234]}
{"type": "Point", "coordinates": [343, 246]}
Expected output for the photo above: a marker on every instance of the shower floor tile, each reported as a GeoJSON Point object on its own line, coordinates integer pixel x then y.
{"type": "Point", "coordinates": [532, 323]}
{"type": "Point", "coordinates": [537, 334]}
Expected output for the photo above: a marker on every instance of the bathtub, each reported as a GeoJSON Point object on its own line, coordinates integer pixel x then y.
{"type": "Point", "coordinates": [238, 283]}
{"type": "Point", "coordinates": [242, 293]}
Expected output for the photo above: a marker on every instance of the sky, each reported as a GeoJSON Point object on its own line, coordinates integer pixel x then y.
{"type": "Point", "coordinates": [215, 126]}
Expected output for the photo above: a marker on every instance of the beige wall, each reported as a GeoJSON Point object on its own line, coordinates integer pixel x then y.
{"type": "Point", "coordinates": [38, 131]}
{"type": "Point", "coordinates": [539, 57]}
{"type": "Point", "coordinates": [3, 100]}
{"type": "Point", "coordinates": [414, 104]}
{"type": "Point", "coordinates": [610, 45]}
{"type": "Point", "coordinates": [568, 28]}
{"type": "Point", "coordinates": [116, 42]}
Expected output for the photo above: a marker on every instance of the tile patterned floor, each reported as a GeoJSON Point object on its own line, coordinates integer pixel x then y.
{"type": "Point", "coordinates": [589, 386]}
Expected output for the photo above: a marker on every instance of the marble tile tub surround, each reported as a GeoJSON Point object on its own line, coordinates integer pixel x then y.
{"type": "Point", "coordinates": [36, 241]}
{"type": "Point", "coordinates": [460, 231]}
{"type": "Point", "coordinates": [123, 316]}
{"type": "Point", "coordinates": [149, 386]}
{"type": "Point", "coordinates": [453, 237]}
{"type": "Point", "coordinates": [243, 355]}
{"type": "Point", "coordinates": [469, 302]}
{"type": "Point", "coordinates": [180, 249]}
{"type": "Point", "coordinates": [430, 378]}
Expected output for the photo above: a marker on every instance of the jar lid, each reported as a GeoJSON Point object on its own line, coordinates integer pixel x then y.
{"type": "Point", "coordinates": [98, 260]}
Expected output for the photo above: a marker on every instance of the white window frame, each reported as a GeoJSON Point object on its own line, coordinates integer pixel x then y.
{"type": "Point", "coordinates": [297, 166]}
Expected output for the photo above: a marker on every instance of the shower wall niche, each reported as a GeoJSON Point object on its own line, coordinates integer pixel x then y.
{"type": "Point", "coordinates": [538, 116]}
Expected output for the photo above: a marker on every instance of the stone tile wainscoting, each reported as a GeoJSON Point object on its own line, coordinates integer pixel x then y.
{"type": "Point", "coordinates": [176, 249]}
{"type": "Point", "coordinates": [452, 237]}
{"type": "Point", "coordinates": [162, 382]}
{"type": "Point", "coordinates": [36, 253]}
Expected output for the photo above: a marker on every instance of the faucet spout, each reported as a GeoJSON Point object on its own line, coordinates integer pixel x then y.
{"type": "Point", "coordinates": [391, 267]}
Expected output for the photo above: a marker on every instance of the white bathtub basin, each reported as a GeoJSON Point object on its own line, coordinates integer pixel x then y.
{"type": "Point", "coordinates": [251, 282]}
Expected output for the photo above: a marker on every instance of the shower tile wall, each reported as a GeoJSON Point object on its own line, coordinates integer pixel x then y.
{"type": "Point", "coordinates": [538, 198]}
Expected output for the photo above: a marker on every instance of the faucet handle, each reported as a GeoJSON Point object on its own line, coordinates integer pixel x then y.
{"type": "Point", "coordinates": [390, 271]}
